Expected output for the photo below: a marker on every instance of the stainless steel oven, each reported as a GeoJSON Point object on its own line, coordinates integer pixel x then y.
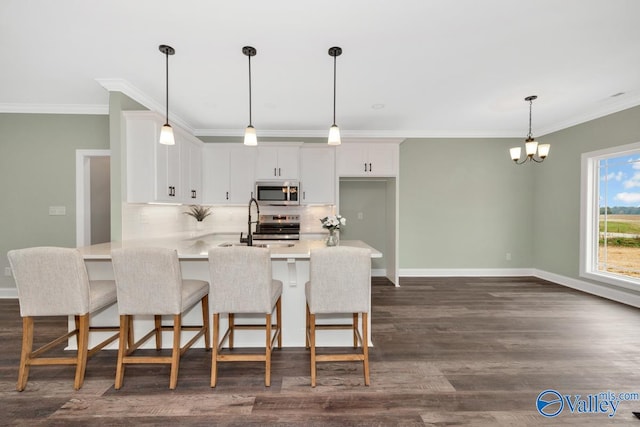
{"type": "Point", "coordinates": [278, 192]}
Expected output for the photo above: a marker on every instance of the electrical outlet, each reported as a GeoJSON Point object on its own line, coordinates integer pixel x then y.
{"type": "Point", "coordinates": [360, 216]}
{"type": "Point", "coordinates": [7, 271]}
{"type": "Point", "coordinates": [57, 210]}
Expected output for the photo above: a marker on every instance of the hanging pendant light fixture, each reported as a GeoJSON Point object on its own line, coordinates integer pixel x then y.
{"type": "Point", "coordinates": [530, 144]}
{"type": "Point", "coordinates": [334, 131]}
{"type": "Point", "coordinates": [166, 134]}
{"type": "Point", "coordinates": [250, 137]}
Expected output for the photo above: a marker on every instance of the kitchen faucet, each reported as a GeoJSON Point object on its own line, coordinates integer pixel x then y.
{"type": "Point", "coordinates": [249, 239]}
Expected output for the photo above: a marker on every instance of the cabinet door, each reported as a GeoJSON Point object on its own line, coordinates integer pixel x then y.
{"type": "Point", "coordinates": [382, 159]}
{"type": "Point", "coordinates": [266, 165]}
{"type": "Point", "coordinates": [317, 175]}
{"type": "Point", "coordinates": [277, 163]}
{"type": "Point", "coordinates": [351, 160]}
{"type": "Point", "coordinates": [141, 165]}
{"type": "Point", "coordinates": [168, 173]}
{"type": "Point", "coordinates": [241, 174]}
{"type": "Point", "coordinates": [215, 174]}
{"type": "Point", "coordinates": [191, 167]}
{"type": "Point", "coordinates": [288, 163]}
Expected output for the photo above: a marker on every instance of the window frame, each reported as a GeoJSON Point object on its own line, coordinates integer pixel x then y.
{"type": "Point", "coordinates": [589, 216]}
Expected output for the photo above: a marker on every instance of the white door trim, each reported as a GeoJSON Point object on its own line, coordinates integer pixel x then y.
{"type": "Point", "coordinates": [83, 201]}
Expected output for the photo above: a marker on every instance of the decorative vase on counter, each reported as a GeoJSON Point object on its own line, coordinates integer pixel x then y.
{"type": "Point", "coordinates": [334, 238]}
{"type": "Point", "coordinates": [199, 225]}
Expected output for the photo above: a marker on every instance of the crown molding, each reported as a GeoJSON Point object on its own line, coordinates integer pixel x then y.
{"type": "Point", "coordinates": [607, 108]}
{"type": "Point", "coordinates": [122, 85]}
{"type": "Point", "coordinates": [93, 109]}
{"type": "Point", "coordinates": [309, 133]}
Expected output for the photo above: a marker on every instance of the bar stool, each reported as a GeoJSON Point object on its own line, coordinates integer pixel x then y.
{"type": "Point", "coordinates": [241, 282]}
{"type": "Point", "coordinates": [149, 282]}
{"type": "Point", "coordinates": [54, 282]}
{"type": "Point", "coordinates": [339, 283]}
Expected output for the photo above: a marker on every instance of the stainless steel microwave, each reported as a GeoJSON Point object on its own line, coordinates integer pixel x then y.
{"type": "Point", "coordinates": [278, 192]}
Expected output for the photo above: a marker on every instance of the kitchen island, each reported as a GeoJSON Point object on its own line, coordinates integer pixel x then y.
{"type": "Point", "coordinates": [290, 264]}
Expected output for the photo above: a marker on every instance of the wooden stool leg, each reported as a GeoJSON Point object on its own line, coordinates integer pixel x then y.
{"type": "Point", "coordinates": [355, 329]}
{"type": "Point", "coordinates": [312, 343]}
{"type": "Point", "coordinates": [267, 353]}
{"type": "Point", "coordinates": [175, 355]}
{"type": "Point", "coordinates": [231, 318]}
{"type": "Point", "coordinates": [130, 338]}
{"type": "Point", "coordinates": [83, 343]}
{"type": "Point", "coordinates": [25, 355]}
{"type": "Point", "coordinates": [205, 321]}
{"type": "Point", "coordinates": [214, 349]}
{"type": "Point", "coordinates": [124, 338]}
{"type": "Point", "coordinates": [158, 325]}
{"type": "Point", "coordinates": [279, 321]}
{"type": "Point", "coordinates": [365, 346]}
{"type": "Point", "coordinates": [306, 329]}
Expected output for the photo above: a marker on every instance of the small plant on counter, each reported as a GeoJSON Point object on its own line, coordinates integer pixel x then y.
{"type": "Point", "coordinates": [333, 222]}
{"type": "Point", "coordinates": [198, 212]}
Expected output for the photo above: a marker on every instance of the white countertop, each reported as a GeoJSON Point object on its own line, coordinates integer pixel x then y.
{"type": "Point", "coordinates": [190, 246]}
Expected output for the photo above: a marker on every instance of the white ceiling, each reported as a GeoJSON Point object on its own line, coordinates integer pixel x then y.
{"type": "Point", "coordinates": [437, 67]}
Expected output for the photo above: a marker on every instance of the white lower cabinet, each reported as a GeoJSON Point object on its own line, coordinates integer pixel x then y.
{"type": "Point", "coordinates": [317, 174]}
{"type": "Point", "coordinates": [228, 173]}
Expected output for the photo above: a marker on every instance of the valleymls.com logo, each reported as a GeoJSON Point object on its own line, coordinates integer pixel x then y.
{"type": "Point", "coordinates": [550, 403]}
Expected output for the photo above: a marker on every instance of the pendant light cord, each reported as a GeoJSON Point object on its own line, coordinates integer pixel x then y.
{"type": "Point", "coordinates": [530, 108]}
{"type": "Point", "coordinates": [167, 85]}
{"type": "Point", "coordinates": [334, 90]}
{"type": "Point", "coordinates": [250, 121]}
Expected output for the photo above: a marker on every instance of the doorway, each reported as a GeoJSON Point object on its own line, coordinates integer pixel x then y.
{"type": "Point", "coordinates": [93, 197]}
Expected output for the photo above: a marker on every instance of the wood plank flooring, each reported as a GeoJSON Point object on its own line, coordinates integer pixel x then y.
{"type": "Point", "coordinates": [448, 351]}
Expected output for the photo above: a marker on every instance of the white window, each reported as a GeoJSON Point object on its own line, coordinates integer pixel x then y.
{"type": "Point", "coordinates": [610, 216]}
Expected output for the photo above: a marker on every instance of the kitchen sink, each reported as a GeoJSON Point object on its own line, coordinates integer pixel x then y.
{"type": "Point", "coordinates": [260, 245]}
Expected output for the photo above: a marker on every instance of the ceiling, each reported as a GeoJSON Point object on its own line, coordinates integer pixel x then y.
{"type": "Point", "coordinates": [409, 68]}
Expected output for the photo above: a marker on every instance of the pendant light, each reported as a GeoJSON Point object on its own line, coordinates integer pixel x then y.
{"type": "Point", "coordinates": [334, 131]}
{"type": "Point", "coordinates": [530, 144]}
{"type": "Point", "coordinates": [166, 134]}
{"type": "Point", "coordinates": [250, 137]}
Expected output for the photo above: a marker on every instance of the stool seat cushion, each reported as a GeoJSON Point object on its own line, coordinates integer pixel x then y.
{"type": "Point", "coordinates": [102, 293]}
{"type": "Point", "coordinates": [193, 291]}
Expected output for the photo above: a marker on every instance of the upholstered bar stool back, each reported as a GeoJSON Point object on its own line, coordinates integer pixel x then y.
{"type": "Point", "coordinates": [339, 283]}
{"type": "Point", "coordinates": [241, 282]}
{"type": "Point", "coordinates": [149, 282]}
{"type": "Point", "coordinates": [54, 282]}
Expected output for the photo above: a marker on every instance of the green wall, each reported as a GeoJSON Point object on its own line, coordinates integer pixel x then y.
{"type": "Point", "coordinates": [464, 204]}
{"type": "Point", "coordinates": [38, 170]}
{"type": "Point", "coordinates": [556, 198]}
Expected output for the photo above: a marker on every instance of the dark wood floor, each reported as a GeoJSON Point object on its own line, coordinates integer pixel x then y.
{"type": "Point", "coordinates": [448, 351]}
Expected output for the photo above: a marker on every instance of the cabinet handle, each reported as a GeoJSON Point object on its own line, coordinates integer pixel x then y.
{"type": "Point", "coordinates": [279, 173]}
{"type": "Point", "coordinates": [227, 195]}
{"type": "Point", "coordinates": [370, 170]}
{"type": "Point", "coordinates": [193, 194]}
{"type": "Point", "coordinates": [304, 195]}
{"type": "Point", "coordinates": [274, 172]}
{"type": "Point", "coordinates": [365, 167]}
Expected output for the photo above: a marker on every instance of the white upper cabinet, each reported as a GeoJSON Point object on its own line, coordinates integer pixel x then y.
{"type": "Point", "coordinates": [228, 173]}
{"type": "Point", "coordinates": [277, 162]}
{"type": "Point", "coordinates": [317, 174]}
{"type": "Point", "coordinates": [367, 159]}
{"type": "Point", "coordinates": [155, 172]}
{"type": "Point", "coordinates": [191, 161]}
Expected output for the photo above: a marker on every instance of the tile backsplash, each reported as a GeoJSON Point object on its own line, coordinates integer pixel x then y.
{"type": "Point", "coordinates": [149, 221]}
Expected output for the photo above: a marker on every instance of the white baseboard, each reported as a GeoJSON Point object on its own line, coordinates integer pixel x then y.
{"type": "Point", "coordinates": [602, 290]}
{"type": "Point", "coordinates": [378, 272]}
{"type": "Point", "coordinates": [8, 293]}
{"type": "Point", "coordinates": [465, 272]}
